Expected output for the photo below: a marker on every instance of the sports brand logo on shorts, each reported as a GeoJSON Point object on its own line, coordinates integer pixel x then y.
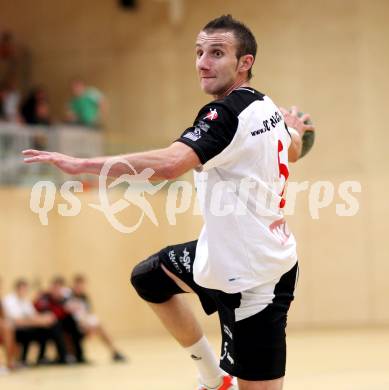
{"type": "Point", "coordinates": [212, 115]}
{"type": "Point", "coordinates": [172, 257]}
{"type": "Point", "coordinates": [185, 260]}
{"type": "Point", "coordinates": [227, 331]}
{"type": "Point", "coordinates": [226, 354]}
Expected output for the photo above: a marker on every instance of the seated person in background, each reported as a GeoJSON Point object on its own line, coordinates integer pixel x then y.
{"type": "Point", "coordinates": [9, 101]}
{"type": "Point", "coordinates": [35, 108]}
{"type": "Point", "coordinates": [53, 302]}
{"type": "Point", "coordinates": [2, 102]}
{"type": "Point", "coordinates": [7, 46]}
{"type": "Point", "coordinates": [7, 338]}
{"type": "Point", "coordinates": [30, 325]}
{"type": "Point", "coordinates": [87, 106]}
{"type": "Point", "coordinates": [8, 56]}
{"type": "Point", "coordinates": [79, 305]}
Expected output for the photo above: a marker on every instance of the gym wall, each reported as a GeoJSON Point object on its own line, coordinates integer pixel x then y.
{"type": "Point", "coordinates": [330, 58]}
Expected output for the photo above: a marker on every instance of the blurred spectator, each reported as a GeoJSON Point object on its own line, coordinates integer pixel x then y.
{"type": "Point", "coordinates": [30, 325]}
{"type": "Point", "coordinates": [7, 46]}
{"type": "Point", "coordinates": [80, 305]}
{"type": "Point", "coordinates": [2, 99]}
{"type": "Point", "coordinates": [8, 56]}
{"type": "Point", "coordinates": [87, 107]}
{"type": "Point", "coordinates": [53, 302]}
{"type": "Point", "coordinates": [14, 60]}
{"type": "Point", "coordinates": [35, 108]}
{"type": "Point", "coordinates": [10, 101]}
{"type": "Point", "coordinates": [7, 338]}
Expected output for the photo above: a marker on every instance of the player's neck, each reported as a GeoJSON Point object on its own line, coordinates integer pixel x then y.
{"type": "Point", "coordinates": [239, 83]}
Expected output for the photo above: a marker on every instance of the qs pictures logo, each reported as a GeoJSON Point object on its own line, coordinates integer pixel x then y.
{"type": "Point", "coordinates": [247, 196]}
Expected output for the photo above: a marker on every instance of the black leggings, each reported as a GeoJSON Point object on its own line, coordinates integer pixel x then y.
{"type": "Point", "coordinates": [70, 327]}
{"type": "Point", "coordinates": [41, 335]}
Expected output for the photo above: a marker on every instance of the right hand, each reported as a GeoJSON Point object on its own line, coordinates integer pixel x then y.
{"type": "Point", "coordinates": [67, 164]}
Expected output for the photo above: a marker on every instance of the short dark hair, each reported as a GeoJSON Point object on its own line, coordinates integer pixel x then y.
{"type": "Point", "coordinates": [246, 40]}
{"type": "Point", "coordinates": [79, 278]}
{"type": "Point", "coordinates": [58, 281]}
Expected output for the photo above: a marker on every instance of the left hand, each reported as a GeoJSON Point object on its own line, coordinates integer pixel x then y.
{"type": "Point", "coordinates": [67, 164]}
{"type": "Point", "coordinates": [292, 119]}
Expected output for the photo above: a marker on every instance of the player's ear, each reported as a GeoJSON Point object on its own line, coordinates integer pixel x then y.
{"type": "Point", "coordinates": [246, 62]}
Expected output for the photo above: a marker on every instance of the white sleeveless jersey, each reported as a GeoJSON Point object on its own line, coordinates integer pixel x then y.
{"type": "Point", "coordinates": [242, 142]}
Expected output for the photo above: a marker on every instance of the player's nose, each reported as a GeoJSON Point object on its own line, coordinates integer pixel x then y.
{"type": "Point", "coordinates": [203, 63]}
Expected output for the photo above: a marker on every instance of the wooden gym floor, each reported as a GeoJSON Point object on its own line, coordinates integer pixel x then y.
{"type": "Point", "coordinates": [356, 359]}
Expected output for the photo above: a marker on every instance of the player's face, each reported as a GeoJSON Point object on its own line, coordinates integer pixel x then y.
{"type": "Point", "coordinates": [22, 290]}
{"type": "Point", "coordinates": [216, 61]}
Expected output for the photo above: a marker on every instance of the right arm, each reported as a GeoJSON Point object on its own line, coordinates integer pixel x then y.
{"type": "Point", "coordinates": [167, 163]}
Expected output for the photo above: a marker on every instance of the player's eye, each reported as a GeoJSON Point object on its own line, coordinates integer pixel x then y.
{"type": "Point", "coordinates": [218, 53]}
{"type": "Point", "coordinates": [199, 53]}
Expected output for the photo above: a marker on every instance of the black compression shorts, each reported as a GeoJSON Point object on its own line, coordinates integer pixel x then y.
{"type": "Point", "coordinates": [253, 333]}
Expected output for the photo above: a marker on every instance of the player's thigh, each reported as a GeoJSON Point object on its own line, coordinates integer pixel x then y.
{"type": "Point", "coordinates": [165, 274]}
{"type": "Point", "coordinates": [254, 344]}
{"type": "Point", "coordinates": [151, 282]}
{"type": "Point", "coordinates": [155, 285]}
{"type": "Point", "coordinates": [275, 384]}
{"type": "Point", "coordinates": [183, 286]}
{"type": "Point", "coordinates": [178, 261]}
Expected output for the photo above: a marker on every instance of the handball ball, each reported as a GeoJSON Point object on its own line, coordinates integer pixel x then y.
{"type": "Point", "coordinates": [308, 137]}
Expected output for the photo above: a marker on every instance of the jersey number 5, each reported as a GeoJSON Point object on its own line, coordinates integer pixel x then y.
{"type": "Point", "coordinates": [283, 171]}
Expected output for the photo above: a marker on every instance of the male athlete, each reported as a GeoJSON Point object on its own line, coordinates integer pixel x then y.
{"type": "Point", "coordinates": [244, 264]}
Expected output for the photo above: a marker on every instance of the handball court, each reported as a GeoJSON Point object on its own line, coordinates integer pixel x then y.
{"type": "Point", "coordinates": [347, 359]}
{"type": "Point", "coordinates": [329, 58]}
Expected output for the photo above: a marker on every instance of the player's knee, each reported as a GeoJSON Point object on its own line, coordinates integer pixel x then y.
{"type": "Point", "coordinates": [151, 282]}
